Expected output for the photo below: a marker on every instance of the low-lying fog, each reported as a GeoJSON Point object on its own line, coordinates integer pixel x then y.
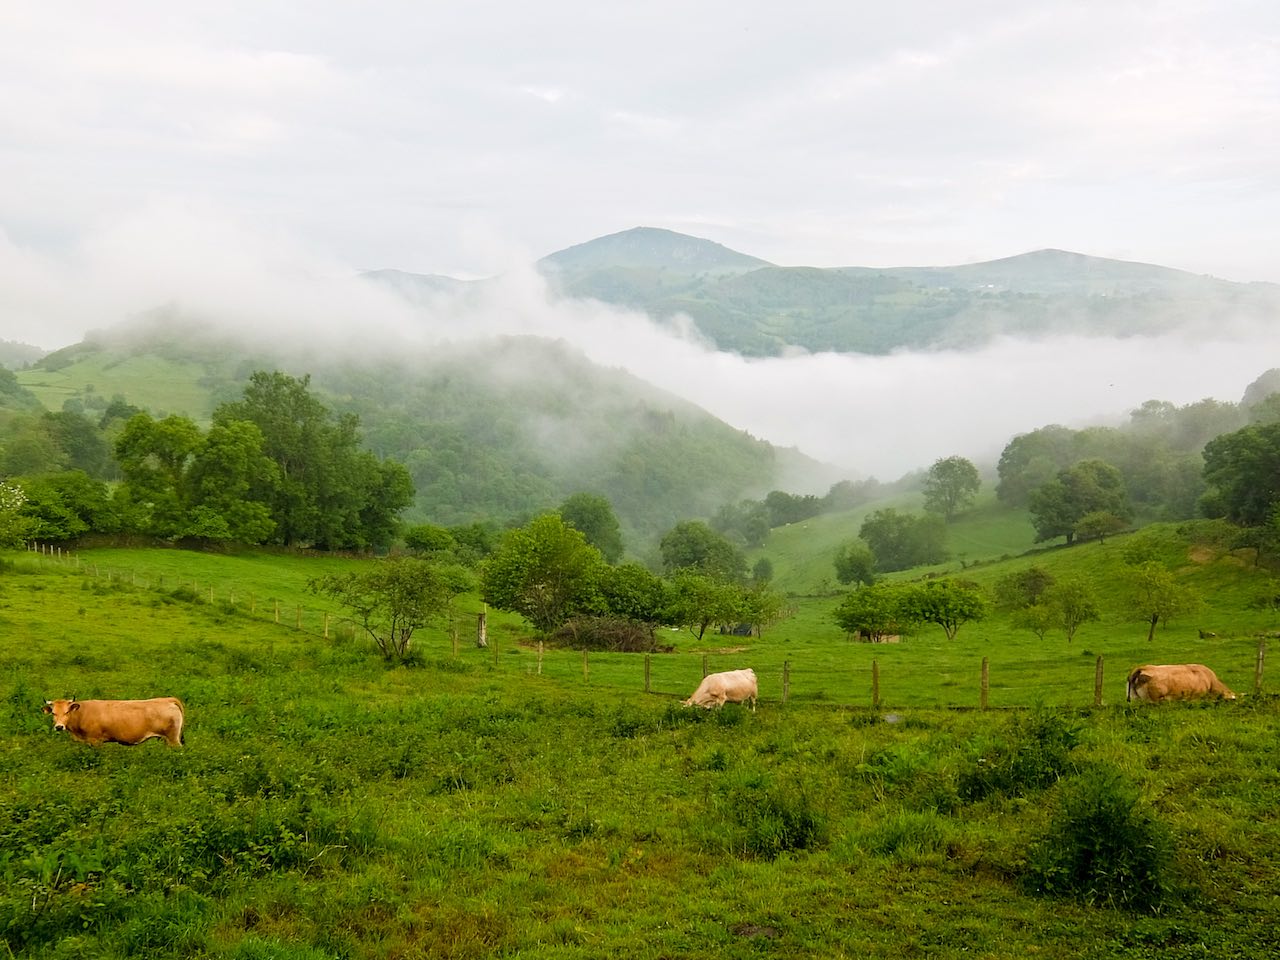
{"type": "Point", "coordinates": [876, 415]}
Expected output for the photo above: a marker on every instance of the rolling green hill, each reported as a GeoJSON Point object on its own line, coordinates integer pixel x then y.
{"type": "Point", "coordinates": [746, 305]}
{"type": "Point", "coordinates": [491, 431]}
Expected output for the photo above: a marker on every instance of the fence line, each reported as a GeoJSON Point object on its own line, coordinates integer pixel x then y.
{"type": "Point", "coordinates": [676, 670]}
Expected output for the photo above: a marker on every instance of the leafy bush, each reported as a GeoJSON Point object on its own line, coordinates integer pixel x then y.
{"type": "Point", "coordinates": [1103, 847]}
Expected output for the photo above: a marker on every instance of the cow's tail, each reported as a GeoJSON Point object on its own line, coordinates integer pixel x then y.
{"type": "Point", "coordinates": [1131, 692]}
{"type": "Point", "coordinates": [182, 729]}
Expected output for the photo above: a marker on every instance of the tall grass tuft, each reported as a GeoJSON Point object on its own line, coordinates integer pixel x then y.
{"type": "Point", "coordinates": [1034, 754]}
{"type": "Point", "coordinates": [1104, 847]}
{"type": "Point", "coordinates": [769, 819]}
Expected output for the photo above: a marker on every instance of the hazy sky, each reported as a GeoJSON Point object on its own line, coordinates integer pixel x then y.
{"type": "Point", "coordinates": [154, 152]}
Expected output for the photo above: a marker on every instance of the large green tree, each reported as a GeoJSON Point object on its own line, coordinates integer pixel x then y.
{"type": "Point", "coordinates": [326, 491]}
{"type": "Point", "coordinates": [1089, 486]}
{"type": "Point", "coordinates": [179, 483]}
{"type": "Point", "coordinates": [950, 486]}
{"type": "Point", "coordinates": [903, 540]}
{"type": "Point", "coordinates": [693, 545]}
{"type": "Point", "coordinates": [545, 571]}
{"type": "Point", "coordinates": [62, 506]}
{"type": "Point", "coordinates": [1243, 473]}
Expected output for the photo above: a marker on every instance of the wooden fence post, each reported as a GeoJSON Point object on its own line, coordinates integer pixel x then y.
{"type": "Point", "coordinates": [1097, 683]}
{"type": "Point", "coordinates": [539, 658]}
{"type": "Point", "coordinates": [704, 666]}
{"type": "Point", "coordinates": [277, 611]}
{"type": "Point", "coordinates": [482, 629]}
{"type": "Point", "coordinates": [786, 680]}
{"type": "Point", "coordinates": [986, 684]}
{"type": "Point", "coordinates": [326, 627]}
{"type": "Point", "coordinates": [875, 684]}
{"type": "Point", "coordinates": [585, 672]}
{"type": "Point", "coordinates": [455, 639]}
{"type": "Point", "coordinates": [646, 673]}
{"type": "Point", "coordinates": [1257, 670]}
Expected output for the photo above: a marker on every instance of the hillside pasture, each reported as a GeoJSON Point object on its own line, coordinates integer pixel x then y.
{"type": "Point", "coordinates": [329, 805]}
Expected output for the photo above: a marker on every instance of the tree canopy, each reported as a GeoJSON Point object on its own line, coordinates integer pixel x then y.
{"type": "Point", "coordinates": [325, 491]}
{"type": "Point", "coordinates": [1243, 472]}
{"type": "Point", "coordinates": [950, 486]}
{"type": "Point", "coordinates": [546, 571]}
{"type": "Point", "coordinates": [1090, 486]}
{"type": "Point", "coordinates": [902, 540]}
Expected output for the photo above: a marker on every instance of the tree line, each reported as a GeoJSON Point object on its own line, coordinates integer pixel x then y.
{"type": "Point", "coordinates": [274, 467]}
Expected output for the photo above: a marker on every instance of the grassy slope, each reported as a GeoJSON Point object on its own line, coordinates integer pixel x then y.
{"type": "Point", "coordinates": [160, 385]}
{"type": "Point", "coordinates": [326, 805]}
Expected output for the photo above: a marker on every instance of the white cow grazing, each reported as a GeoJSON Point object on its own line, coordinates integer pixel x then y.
{"type": "Point", "coordinates": [732, 686]}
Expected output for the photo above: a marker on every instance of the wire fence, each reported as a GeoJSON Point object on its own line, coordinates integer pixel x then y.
{"type": "Point", "coordinates": [672, 675]}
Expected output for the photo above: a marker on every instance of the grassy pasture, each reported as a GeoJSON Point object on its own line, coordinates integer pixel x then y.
{"type": "Point", "coordinates": [160, 385]}
{"type": "Point", "coordinates": [329, 806]}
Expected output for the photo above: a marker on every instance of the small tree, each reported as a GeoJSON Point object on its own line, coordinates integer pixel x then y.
{"type": "Point", "coordinates": [394, 598]}
{"type": "Point", "coordinates": [1098, 525]}
{"type": "Point", "coordinates": [545, 571]}
{"type": "Point", "coordinates": [1025, 588]}
{"type": "Point", "coordinates": [1039, 618]}
{"type": "Point", "coordinates": [1155, 596]}
{"type": "Point", "coordinates": [1072, 603]}
{"type": "Point", "coordinates": [695, 601]}
{"type": "Point", "coordinates": [948, 603]}
{"type": "Point", "coordinates": [855, 563]}
{"type": "Point", "coordinates": [950, 486]}
{"type": "Point", "coordinates": [875, 612]}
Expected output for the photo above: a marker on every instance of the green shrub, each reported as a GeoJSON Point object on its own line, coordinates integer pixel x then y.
{"type": "Point", "coordinates": [1103, 846]}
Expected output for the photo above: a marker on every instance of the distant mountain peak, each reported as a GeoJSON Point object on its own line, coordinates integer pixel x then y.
{"type": "Point", "coordinates": [651, 248]}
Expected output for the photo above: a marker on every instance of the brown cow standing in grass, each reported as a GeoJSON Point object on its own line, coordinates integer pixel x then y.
{"type": "Point", "coordinates": [96, 722]}
{"type": "Point", "coordinates": [1175, 681]}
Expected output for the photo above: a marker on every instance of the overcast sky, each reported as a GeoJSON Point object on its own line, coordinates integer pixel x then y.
{"type": "Point", "coordinates": [153, 149]}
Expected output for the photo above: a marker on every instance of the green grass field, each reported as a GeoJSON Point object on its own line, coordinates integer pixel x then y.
{"type": "Point", "coordinates": [160, 385]}
{"type": "Point", "coordinates": [328, 805]}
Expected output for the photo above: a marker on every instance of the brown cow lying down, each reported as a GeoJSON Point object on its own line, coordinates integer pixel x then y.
{"type": "Point", "coordinates": [732, 686]}
{"type": "Point", "coordinates": [119, 721]}
{"type": "Point", "coordinates": [1175, 681]}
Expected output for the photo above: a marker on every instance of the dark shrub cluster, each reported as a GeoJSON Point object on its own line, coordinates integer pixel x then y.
{"type": "Point", "coordinates": [608, 634]}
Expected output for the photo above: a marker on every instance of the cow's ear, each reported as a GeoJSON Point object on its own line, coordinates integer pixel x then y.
{"type": "Point", "coordinates": [48, 707]}
{"type": "Point", "coordinates": [72, 706]}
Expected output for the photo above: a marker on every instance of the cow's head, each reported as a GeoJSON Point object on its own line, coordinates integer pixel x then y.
{"type": "Point", "coordinates": [61, 710]}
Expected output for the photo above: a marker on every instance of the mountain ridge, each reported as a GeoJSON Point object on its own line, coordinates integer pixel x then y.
{"type": "Point", "coordinates": [747, 305]}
